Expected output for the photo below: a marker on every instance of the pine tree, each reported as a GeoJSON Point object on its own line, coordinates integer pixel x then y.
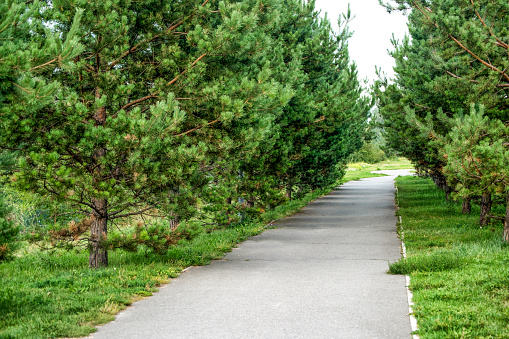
{"type": "Point", "coordinates": [146, 109]}
{"type": "Point", "coordinates": [23, 57]}
{"type": "Point", "coordinates": [323, 122]}
{"type": "Point", "coordinates": [452, 60]}
{"type": "Point", "coordinates": [478, 159]}
{"type": "Point", "coordinates": [457, 57]}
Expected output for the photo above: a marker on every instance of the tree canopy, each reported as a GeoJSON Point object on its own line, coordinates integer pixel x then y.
{"type": "Point", "coordinates": [157, 108]}
{"type": "Point", "coordinates": [455, 57]}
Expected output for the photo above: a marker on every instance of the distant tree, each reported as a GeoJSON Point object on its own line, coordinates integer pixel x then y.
{"type": "Point", "coordinates": [453, 59]}
{"type": "Point", "coordinates": [324, 121]}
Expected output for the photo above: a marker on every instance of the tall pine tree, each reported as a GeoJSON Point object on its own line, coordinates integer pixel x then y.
{"type": "Point", "coordinates": [145, 108]}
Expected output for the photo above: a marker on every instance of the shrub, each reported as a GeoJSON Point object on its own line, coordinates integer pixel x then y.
{"type": "Point", "coordinates": [369, 153]}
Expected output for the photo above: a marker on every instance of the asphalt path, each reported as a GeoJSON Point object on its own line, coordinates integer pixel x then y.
{"type": "Point", "coordinates": [320, 274]}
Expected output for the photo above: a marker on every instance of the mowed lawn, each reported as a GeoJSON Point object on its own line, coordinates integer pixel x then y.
{"type": "Point", "coordinates": [459, 271]}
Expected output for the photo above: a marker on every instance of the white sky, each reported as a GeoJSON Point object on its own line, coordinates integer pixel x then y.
{"type": "Point", "coordinates": [372, 32]}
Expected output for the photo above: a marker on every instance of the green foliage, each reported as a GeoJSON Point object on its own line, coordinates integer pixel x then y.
{"type": "Point", "coordinates": [323, 122]}
{"type": "Point", "coordinates": [136, 126]}
{"type": "Point", "coordinates": [158, 236]}
{"type": "Point", "coordinates": [446, 66]}
{"type": "Point", "coordinates": [477, 154]}
{"type": "Point", "coordinates": [368, 153]}
{"type": "Point", "coordinates": [458, 271]}
{"type": "Point", "coordinates": [455, 60]}
{"type": "Point", "coordinates": [24, 55]}
{"type": "Point", "coordinates": [173, 111]}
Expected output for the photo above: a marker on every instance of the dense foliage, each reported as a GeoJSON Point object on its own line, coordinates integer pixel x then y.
{"type": "Point", "coordinates": [187, 111]}
{"type": "Point", "coordinates": [451, 68]}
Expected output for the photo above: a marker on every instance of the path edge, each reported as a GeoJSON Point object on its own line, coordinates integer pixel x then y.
{"type": "Point", "coordinates": [413, 320]}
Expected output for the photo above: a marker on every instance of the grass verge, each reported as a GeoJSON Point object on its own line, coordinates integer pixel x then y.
{"type": "Point", "coordinates": [459, 272]}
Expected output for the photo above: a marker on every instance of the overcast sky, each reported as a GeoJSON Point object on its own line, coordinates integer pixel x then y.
{"type": "Point", "coordinates": [372, 31]}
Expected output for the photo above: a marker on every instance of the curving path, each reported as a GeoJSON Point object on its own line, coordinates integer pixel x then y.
{"type": "Point", "coordinates": [320, 274]}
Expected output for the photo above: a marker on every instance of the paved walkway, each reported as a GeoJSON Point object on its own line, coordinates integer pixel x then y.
{"type": "Point", "coordinates": [320, 274]}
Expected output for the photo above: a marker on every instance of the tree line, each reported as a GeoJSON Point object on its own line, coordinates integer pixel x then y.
{"type": "Point", "coordinates": [448, 108]}
{"type": "Point", "coordinates": [170, 110]}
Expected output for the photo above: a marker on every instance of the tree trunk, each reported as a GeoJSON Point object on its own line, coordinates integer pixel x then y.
{"type": "Point", "coordinates": [466, 207]}
{"type": "Point", "coordinates": [288, 193]}
{"type": "Point", "coordinates": [448, 191]}
{"type": "Point", "coordinates": [175, 221]}
{"type": "Point", "coordinates": [98, 255]}
{"type": "Point", "coordinates": [506, 219]}
{"type": "Point", "coordinates": [440, 183]}
{"type": "Point", "coordinates": [485, 209]}
{"type": "Point", "coordinates": [250, 202]}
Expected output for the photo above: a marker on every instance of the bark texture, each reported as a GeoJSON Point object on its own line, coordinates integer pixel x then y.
{"type": "Point", "coordinates": [288, 193]}
{"type": "Point", "coordinates": [466, 206]}
{"type": "Point", "coordinates": [98, 256]}
{"type": "Point", "coordinates": [485, 209]}
{"type": "Point", "coordinates": [506, 220]}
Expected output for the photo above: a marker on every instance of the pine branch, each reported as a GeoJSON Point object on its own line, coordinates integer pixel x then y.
{"type": "Point", "coordinates": [45, 64]}
{"type": "Point", "coordinates": [117, 216]}
{"type": "Point", "coordinates": [157, 36]}
{"type": "Point", "coordinates": [198, 128]}
{"type": "Point", "coordinates": [499, 42]}
{"type": "Point", "coordinates": [485, 63]}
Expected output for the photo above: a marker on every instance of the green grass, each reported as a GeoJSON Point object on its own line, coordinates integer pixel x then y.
{"type": "Point", "coordinates": [361, 170]}
{"type": "Point", "coordinates": [459, 272]}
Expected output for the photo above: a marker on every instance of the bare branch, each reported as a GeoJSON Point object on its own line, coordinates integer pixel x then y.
{"type": "Point", "coordinates": [130, 214]}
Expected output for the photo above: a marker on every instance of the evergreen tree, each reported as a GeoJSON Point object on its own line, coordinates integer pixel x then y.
{"type": "Point", "coordinates": [23, 57]}
{"type": "Point", "coordinates": [444, 67]}
{"type": "Point", "coordinates": [478, 159]}
{"type": "Point", "coordinates": [456, 57]}
{"type": "Point", "coordinates": [146, 108]}
{"type": "Point", "coordinates": [323, 122]}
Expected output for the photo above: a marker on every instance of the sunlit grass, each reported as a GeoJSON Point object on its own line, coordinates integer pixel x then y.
{"type": "Point", "coordinates": [361, 170]}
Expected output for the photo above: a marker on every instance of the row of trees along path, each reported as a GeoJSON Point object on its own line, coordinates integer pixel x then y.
{"type": "Point", "coordinates": [172, 111]}
{"type": "Point", "coordinates": [448, 108]}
